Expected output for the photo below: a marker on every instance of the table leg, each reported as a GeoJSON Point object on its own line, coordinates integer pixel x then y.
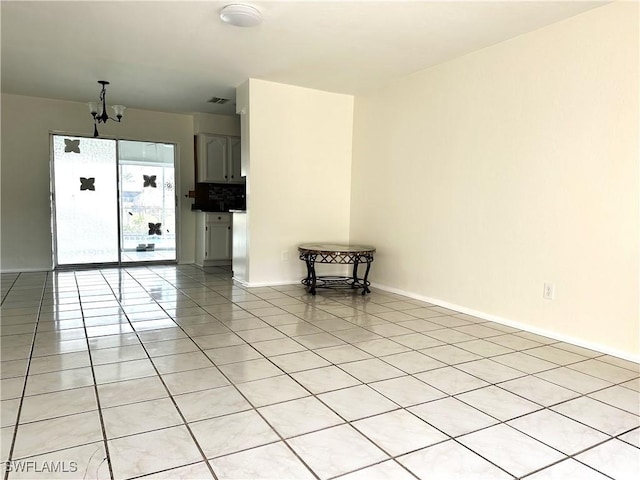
{"type": "Point", "coordinates": [311, 275]}
{"type": "Point", "coordinates": [365, 286]}
{"type": "Point", "coordinates": [355, 274]}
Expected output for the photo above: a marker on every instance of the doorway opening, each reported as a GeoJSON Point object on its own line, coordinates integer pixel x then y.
{"type": "Point", "coordinates": [113, 201]}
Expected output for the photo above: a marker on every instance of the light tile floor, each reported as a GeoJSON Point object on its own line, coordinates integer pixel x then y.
{"type": "Point", "coordinates": [175, 372]}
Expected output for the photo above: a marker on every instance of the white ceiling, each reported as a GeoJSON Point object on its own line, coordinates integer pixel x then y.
{"type": "Point", "coordinates": [175, 55]}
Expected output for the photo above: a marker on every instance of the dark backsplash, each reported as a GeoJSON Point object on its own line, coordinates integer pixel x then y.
{"type": "Point", "coordinates": [220, 197]}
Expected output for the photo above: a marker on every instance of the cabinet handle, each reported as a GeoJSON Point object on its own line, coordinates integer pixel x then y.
{"type": "Point", "coordinates": [219, 218]}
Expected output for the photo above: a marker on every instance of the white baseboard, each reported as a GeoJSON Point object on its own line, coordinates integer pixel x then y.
{"type": "Point", "coordinates": [512, 323]}
{"type": "Point", "coordinates": [267, 284]}
{"type": "Point", "coordinates": [25, 270]}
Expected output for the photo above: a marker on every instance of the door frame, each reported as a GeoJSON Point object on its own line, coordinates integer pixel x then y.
{"type": "Point", "coordinates": [119, 262]}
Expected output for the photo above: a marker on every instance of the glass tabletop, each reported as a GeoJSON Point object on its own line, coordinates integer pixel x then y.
{"type": "Point", "coordinates": [335, 248]}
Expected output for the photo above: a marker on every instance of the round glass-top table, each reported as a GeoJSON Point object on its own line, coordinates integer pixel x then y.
{"type": "Point", "coordinates": [312, 253]}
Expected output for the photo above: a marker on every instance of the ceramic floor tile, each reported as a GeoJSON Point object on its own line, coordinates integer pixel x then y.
{"type": "Point", "coordinates": [413, 362]}
{"type": "Point", "coordinates": [450, 460]}
{"type": "Point", "coordinates": [342, 354]}
{"type": "Point", "coordinates": [605, 371]}
{"type": "Point", "coordinates": [490, 371]}
{"type": "Point", "coordinates": [231, 433]}
{"type": "Point", "coordinates": [357, 402]}
{"type": "Point", "coordinates": [13, 368]}
{"type": "Point", "coordinates": [58, 404]}
{"type": "Point", "coordinates": [140, 417]}
{"type": "Point", "coordinates": [399, 432]}
{"type": "Point", "coordinates": [450, 354]}
{"type": "Point", "coordinates": [498, 403]}
{"type": "Point", "coordinates": [56, 348]}
{"type": "Point", "coordinates": [117, 372]}
{"type": "Point", "coordinates": [614, 458]}
{"type": "Point", "coordinates": [558, 431]}
{"type": "Point", "coordinates": [6, 437]}
{"type": "Point", "coordinates": [598, 415]}
{"type": "Point", "coordinates": [9, 412]}
{"type": "Point", "coordinates": [56, 434]}
{"type": "Point", "coordinates": [567, 469]}
{"type": "Point", "coordinates": [181, 362]}
{"type": "Point", "coordinates": [319, 340]}
{"type": "Point", "coordinates": [198, 471]}
{"type": "Point", "coordinates": [511, 450]}
{"type": "Point", "coordinates": [170, 347]}
{"type": "Point", "coordinates": [131, 391]}
{"type": "Point", "coordinates": [117, 354]}
{"type": "Point", "coordinates": [632, 438]}
{"type": "Point", "coordinates": [299, 416]}
{"type": "Point", "coordinates": [271, 390]}
{"type": "Point", "coordinates": [194, 380]}
{"type": "Point", "coordinates": [574, 380]}
{"type": "Point", "coordinates": [73, 462]}
{"type": "Point", "coordinates": [538, 390]}
{"type": "Point", "coordinates": [152, 452]}
{"type": "Point", "coordinates": [325, 379]}
{"type": "Point", "coordinates": [381, 347]}
{"type": "Point", "coordinates": [417, 341]}
{"type": "Point", "coordinates": [407, 390]}
{"type": "Point", "coordinates": [211, 403]}
{"type": "Point", "coordinates": [524, 363]}
{"type": "Point", "coordinates": [61, 380]}
{"type": "Point", "coordinates": [272, 461]}
{"type": "Point", "coordinates": [278, 347]}
{"type": "Point", "coordinates": [388, 470]}
{"type": "Point", "coordinates": [371, 370]}
{"type": "Point", "coordinates": [347, 449]}
{"type": "Point", "coordinates": [201, 329]}
{"type": "Point", "coordinates": [451, 380]}
{"type": "Point", "coordinates": [233, 354]}
{"type": "Point", "coordinates": [356, 334]}
{"type": "Point", "coordinates": [619, 397]}
{"type": "Point", "coordinates": [555, 355]}
{"type": "Point", "coordinates": [298, 361]}
{"type": "Point", "coordinates": [250, 370]}
{"type": "Point", "coordinates": [11, 387]}
{"type": "Point", "coordinates": [453, 416]}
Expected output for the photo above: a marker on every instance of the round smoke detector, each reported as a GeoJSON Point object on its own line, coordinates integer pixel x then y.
{"type": "Point", "coordinates": [241, 15]}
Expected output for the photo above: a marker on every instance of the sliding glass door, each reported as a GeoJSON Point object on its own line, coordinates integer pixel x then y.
{"type": "Point", "coordinates": [147, 206]}
{"type": "Point", "coordinates": [113, 201]}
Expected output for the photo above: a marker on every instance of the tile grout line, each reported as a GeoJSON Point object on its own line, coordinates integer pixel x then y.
{"type": "Point", "coordinates": [26, 377]}
{"type": "Point", "coordinates": [107, 456]}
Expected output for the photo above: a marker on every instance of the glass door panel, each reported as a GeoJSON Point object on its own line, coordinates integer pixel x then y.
{"type": "Point", "coordinates": [147, 191]}
{"type": "Point", "coordinates": [85, 200]}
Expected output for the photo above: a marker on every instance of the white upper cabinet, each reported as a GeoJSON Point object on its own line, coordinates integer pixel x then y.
{"type": "Point", "coordinates": [219, 159]}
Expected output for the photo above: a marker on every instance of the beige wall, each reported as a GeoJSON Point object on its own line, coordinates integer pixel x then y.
{"type": "Point", "coordinates": [25, 207]}
{"type": "Point", "coordinates": [299, 175]}
{"type": "Point", "coordinates": [484, 177]}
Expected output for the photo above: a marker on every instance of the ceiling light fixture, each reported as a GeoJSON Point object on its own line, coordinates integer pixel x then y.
{"type": "Point", "coordinates": [99, 109]}
{"type": "Point", "coordinates": [241, 15]}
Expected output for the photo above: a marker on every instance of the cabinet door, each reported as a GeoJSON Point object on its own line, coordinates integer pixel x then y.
{"type": "Point", "coordinates": [235, 161]}
{"type": "Point", "coordinates": [212, 159]}
{"type": "Point", "coordinates": [219, 241]}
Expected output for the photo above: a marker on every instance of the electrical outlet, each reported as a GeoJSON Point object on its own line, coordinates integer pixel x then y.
{"type": "Point", "coordinates": [549, 291]}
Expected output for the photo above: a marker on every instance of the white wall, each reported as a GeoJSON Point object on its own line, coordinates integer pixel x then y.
{"type": "Point", "coordinates": [220, 124]}
{"type": "Point", "coordinates": [25, 215]}
{"type": "Point", "coordinates": [484, 177]}
{"type": "Point", "coordinates": [299, 176]}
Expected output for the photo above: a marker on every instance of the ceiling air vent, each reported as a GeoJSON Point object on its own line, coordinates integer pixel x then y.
{"type": "Point", "coordinates": [218, 100]}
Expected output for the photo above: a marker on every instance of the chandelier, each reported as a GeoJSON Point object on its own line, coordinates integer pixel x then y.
{"type": "Point", "coordinates": [99, 109]}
